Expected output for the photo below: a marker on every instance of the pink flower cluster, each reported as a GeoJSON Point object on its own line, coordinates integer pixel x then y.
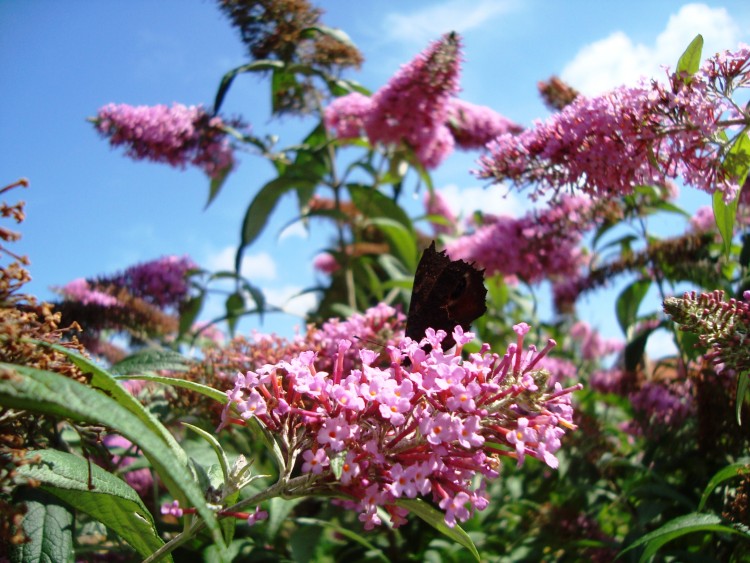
{"type": "Point", "coordinates": [177, 135]}
{"type": "Point", "coordinates": [436, 205]}
{"type": "Point", "coordinates": [427, 424]}
{"type": "Point", "coordinates": [535, 246]}
{"type": "Point", "coordinates": [648, 134]}
{"type": "Point", "coordinates": [473, 126]}
{"type": "Point", "coordinates": [417, 107]}
{"type": "Point", "coordinates": [80, 290]}
{"type": "Point", "coordinates": [593, 346]}
{"type": "Point", "coordinates": [662, 405]}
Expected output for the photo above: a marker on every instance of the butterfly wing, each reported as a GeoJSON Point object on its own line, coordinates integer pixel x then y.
{"type": "Point", "coordinates": [446, 293]}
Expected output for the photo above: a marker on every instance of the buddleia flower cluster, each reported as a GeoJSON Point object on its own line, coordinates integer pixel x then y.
{"type": "Point", "coordinates": [424, 424]}
{"type": "Point", "coordinates": [721, 325]}
{"type": "Point", "coordinates": [607, 145]}
{"type": "Point", "coordinates": [178, 135]}
{"type": "Point", "coordinates": [418, 107]}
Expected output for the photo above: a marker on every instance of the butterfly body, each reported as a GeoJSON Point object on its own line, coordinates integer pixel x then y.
{"type": "Point", "coordinates": [446, 293]}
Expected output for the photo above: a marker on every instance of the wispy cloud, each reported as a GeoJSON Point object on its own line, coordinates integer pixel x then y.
{"type": "Point", "coordinates": [259, 266]}
{"type": "Point", "coordinates": [617, 59]}
{"type": "Point", "coordinates": [287, 298]}
{"type": "Point", "coordinates": [420, 26]}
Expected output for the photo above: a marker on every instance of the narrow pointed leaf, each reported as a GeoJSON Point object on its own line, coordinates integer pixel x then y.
{"type": "Point", "coordinates": [729, 472]}
{"type": "Point", "coordinates": [436, 519]}
{"type": "Point", "coordinates": [210, 392]}
{"type": "Point", "coordinates": [724, 214]}
{"type": "Point", "coordinates": [150, 359]}
{"type": "Point", "coordinates": [681, 526]}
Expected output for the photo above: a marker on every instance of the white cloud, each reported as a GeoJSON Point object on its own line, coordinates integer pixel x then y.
{"type": "Point", "coordinates": [284, 298]}
{"type": "Point", "coordinates": [259, 266]}
{"type": "Point", "coordinates": [660, 345]}
{"type": "Point", "coordinates": [296, 229]}
{"type": "Point", "coordinates": [495, 199]}
{"type": "Point", "coordinates": [455, 15]}
{"type": "Point", "coordinates": [617, 60]}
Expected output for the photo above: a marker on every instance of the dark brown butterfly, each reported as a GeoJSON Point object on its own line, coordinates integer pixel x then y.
{"type": "Point", "coordinates": [446, 293]}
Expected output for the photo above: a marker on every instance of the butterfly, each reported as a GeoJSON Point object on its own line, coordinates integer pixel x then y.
{"type": "Point", "coordinates": [446, 293]}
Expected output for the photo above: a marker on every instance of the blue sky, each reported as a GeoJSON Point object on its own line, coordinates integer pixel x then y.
{"type": "Point", "coordinates": [92, 211]}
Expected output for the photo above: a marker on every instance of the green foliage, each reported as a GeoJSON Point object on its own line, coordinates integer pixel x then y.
{"type": "Point", "coordinates": [633, 481]}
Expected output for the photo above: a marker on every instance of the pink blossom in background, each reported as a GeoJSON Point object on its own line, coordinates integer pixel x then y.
{"type": "Point", "coordinates": [608, 144]}
{"type": "Point", "coordinates": [703, 219]}
{"type": "Point", "coordinates": [178, 135]}
{"type": "Point", "coordinates": [80, 290]}
{"type": "Point", "coordinates": [560, 369]}
{"type": "Point", "coordinates": [662, 405]}
{"type": "Point", "coordinates": [474, 126]}
{"type": "Point", "coordinates": [435, 204]}
{"type": "Point", "coordinates": [413, 105]}
{"type": "Point", "coordinates": [533, 247]}
{"type": "Point", "coordinates": [140, 479]}
{"type": "Point", "coordinates": [162, 281]}
{"type": "Point", "coordinates": [326, 263]}
{"type": "Point", "coordinates": [593, 346]}
{"type": "Point", "coordinates": [345, 115]}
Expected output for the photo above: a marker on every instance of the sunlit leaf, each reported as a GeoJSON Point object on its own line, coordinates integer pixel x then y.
{"type": "Point", "coordinates": [49, 525]}
{"type": "Point", "coordinates": [690, 61]}
{"type": "Point", "coordinates": [436, 519]}
{"type": "Point", "coordinates": [150, 359]}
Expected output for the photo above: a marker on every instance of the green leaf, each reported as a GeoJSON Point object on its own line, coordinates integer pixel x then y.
{"type": "Point", "coordinates": [634, 350]}
{"type": "Point", "coordinates": [725, 214]}
{"type": "Point", "coordinates": [347, 533]}
{"type": "Point", "coordinates": [54, 394]}
{"type": "Point", "coordinates": [690, 61]}
{"type": "Point", "coordinates": [49, 526]}
{"type": "Point", "coordinates": [737, 161]}
{"type": "Point", "coordinates": [279, 510]}
{"type": "Point", "coordinates": [731, 471]}
{"type": "Point", "coordinates": [111, 500]}
{"type": "Point", "coordinates": [628, 303]}
{"type": "Point", "coordinates": [228, 78]}
{"type": "Point", "coordinates": [217, 182]}
{"type": "Point", "coordinates": [209, 392]}
{"type": "Point", "coordinates": [401, 239]}
{"type": "Point", "coordinates": [282, 81]}
{"type": "Point", "coordinates": [235, 305]}
{"type": "Point", "coordinates": [262, 206]}
{"type": "Point", "coordinates": [189, 312]}
{"type": "Point", "coordinates": [743, 384]}
{"type": "Point", "coordinates": [373, 205]}
{"type": "Point", "coordinates": [215, 445]}
{"type": "Point", "coordinates": [151, 359]}
{"type": "Point", "coordinates": [436, 519]}
{"type": "Point", "coordinates": [683, 525]}
{"type": "Point", "coordinates": [104, 382]}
